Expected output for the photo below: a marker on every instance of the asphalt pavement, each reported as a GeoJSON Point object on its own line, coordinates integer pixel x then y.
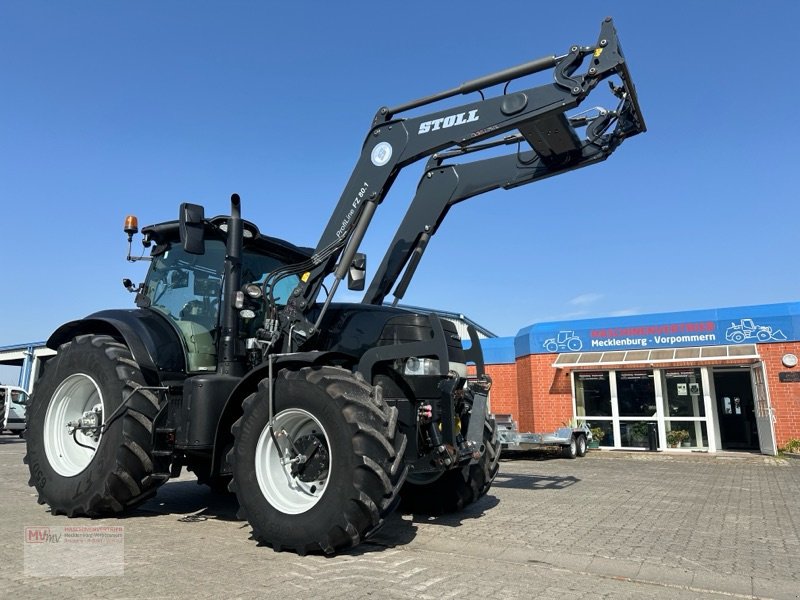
{"type": "Point", "coordinates": [610, 525]}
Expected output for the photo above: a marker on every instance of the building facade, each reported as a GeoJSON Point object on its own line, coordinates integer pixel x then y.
{"type": "Point", "coordinates": [707, 380]}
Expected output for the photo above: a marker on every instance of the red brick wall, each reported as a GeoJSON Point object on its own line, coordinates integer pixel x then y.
{"type": "Point", "coordinates": [551, 401]}
{"type": "Point", "coordinates": [504, 397]}
{"type": "Point", "coordinates": [784, 396]}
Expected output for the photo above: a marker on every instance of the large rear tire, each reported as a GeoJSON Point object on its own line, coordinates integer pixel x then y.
{"type": "Point", "coordinates": [90, 473]}
{"type": "Point", "coordinates": [454, 490]}
{"type": "Point", "coordinates": [353, 469]}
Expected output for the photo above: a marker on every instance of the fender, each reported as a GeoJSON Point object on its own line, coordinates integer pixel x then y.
{"type": "Point", "coordinates": [154, 344]}
{"type": "Point", "coordinates": [249, 384]}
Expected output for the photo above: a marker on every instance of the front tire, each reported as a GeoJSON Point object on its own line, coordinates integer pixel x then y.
{"type": "Point", "coordinates": [456, 489]}
{"type": "Point", "coordinates": [353, 467]}
{"type": "Point", "coordinates": [111, 469]}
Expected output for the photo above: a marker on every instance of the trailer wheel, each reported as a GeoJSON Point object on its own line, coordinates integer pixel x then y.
{"type": "Point", "coordinates": [97, 471]}
{"type": "Point", "coordinates": [342, 462]}
{"type": "Point", "coordinates": [571, 449]}
{"type": "Point", "coordinates": [581, 445]}
{"type": "Point", "coordinates": [458, 488]}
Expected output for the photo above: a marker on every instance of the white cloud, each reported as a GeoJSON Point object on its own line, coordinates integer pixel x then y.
{"type": "Point", "coordinates": [625, 312]}
{"type": "Point", "coordinates": [585, 299]}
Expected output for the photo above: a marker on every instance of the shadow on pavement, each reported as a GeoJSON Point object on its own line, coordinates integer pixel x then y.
{"type": "Point", "coordinates": [399, 529]}
{"type": "Point", "coordinates": [532, 454]}
{"type": "Point", "coordinates": [190, 501]}
{"type": "Point", "coordinates": [8, 438]}
{"type": "Point", "coordinates": [533, 482]}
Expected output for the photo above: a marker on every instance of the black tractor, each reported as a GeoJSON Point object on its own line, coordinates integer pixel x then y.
{"type": "Point", "coordinates": [320, 416]}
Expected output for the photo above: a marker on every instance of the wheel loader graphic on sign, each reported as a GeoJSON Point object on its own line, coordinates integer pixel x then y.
{"type": "Point", "coordinates": [748, 330]}
{"type": "Point", "coordinates": [565, 340]}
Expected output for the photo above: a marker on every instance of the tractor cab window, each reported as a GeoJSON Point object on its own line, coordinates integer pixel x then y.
{"type": "Point", "coordinates": [256, 268]}
{"type": "Point", "coordinates": [186, 288]}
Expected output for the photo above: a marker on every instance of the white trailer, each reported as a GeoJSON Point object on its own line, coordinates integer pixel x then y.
{"type": "Point", "coordinates": [572, 441]}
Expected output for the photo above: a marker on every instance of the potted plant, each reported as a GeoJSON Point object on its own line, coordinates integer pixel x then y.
{"type": "Point", "coordinates": [638, 434]}
{"type": "Point", "coordinates": [597, 436]}
{"type": "Point", "coordinates": [676, 437]}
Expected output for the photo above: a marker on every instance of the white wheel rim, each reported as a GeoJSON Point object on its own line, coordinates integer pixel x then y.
{"type": "Point", "coordinates": [76, 395]}
{"type": "Point", "coordinates": [285, 493]}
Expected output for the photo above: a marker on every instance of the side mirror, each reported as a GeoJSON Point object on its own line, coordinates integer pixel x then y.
{"type": "Point", "coordinates": [192, 228]}
{"type": "Point", "coordinates": [357, 274]}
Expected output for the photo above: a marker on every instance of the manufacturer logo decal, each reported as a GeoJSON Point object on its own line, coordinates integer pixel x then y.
{"type": "Point", "coordinates": [449, 121]}
{"type": "Point", "coordinates": [381, 154]}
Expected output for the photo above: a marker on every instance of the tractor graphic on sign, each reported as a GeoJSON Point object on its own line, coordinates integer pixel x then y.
{"type": "Point", "coordinates": [564, 340]}
{"type": "Point", "coordinates": [746, 329]}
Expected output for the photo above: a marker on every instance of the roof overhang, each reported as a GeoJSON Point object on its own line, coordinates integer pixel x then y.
{"type": "Point", "coordinates": [743, 353]}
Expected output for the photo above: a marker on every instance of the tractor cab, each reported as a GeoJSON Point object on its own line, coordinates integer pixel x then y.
{"type": "Point", "coordinates": [185, 282]}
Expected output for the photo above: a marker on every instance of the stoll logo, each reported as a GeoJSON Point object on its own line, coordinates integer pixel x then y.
{"type": "Point", "coordinates": [448, 121]}
{"type": "Point", "coordinates": [41, 535]}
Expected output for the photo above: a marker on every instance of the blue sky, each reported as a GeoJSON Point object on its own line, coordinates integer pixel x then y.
{"type": "Point", "coordinates": [111, 108]}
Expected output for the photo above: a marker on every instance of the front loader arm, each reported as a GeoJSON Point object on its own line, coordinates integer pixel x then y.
{"type": "Point", "coordinates": [444, 185]}
{"type": "Point", "coordinates": [538, 114]}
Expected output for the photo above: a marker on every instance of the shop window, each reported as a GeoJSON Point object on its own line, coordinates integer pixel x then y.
{"type": "Point", "coordinates": [592, 394]}
{"type": "Point", "coordinates": [602, 431]}
{"type": "Point", "coordinates": [634, 434]}
{"type": "Point", "coordinates": [695, 434]}
{"type": "Point", "coordinates": [683, 393]}
{"type": "Point", "coordinates": [636, 394]}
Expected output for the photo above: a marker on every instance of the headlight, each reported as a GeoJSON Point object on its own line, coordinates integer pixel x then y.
{"type": "Point", "coordinates": [430, 366]}
{"type": "Point", "coordinates": [253, 290]}
{"type": "Point", "coordinates": [422, 366]}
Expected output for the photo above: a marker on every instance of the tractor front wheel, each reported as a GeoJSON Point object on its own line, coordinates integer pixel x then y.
{"type": "Point", "coordinates": [327, 470]}
{"type": "Point", "coordinates": [87, 454]}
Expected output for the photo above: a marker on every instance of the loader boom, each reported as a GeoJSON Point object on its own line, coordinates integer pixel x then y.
{"type": "Point", "coordinates": [537, 114]}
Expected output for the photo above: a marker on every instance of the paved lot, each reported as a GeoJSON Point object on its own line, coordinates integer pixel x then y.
{"type": "Point", "coordinates": [606, 526]}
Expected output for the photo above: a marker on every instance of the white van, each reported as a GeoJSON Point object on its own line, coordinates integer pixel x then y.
{"type": "Point", "coordinates": [13, 401]}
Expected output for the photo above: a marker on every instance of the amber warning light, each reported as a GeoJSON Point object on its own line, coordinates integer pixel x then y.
{"type": "Point", "coordinates": [131, 226]}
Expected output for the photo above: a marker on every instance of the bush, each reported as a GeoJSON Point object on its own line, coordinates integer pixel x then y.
{"type": "Point", "coordinates": [793, 445]}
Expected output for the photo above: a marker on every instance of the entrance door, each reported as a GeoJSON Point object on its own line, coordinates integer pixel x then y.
{"type": "Point", "coordinates": [764, 419]}
{"type": "Point", "coordinates": [736, 410]}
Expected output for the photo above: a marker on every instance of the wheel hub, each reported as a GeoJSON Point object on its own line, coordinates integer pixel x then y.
{"type": "Point", "coordinates": [314, 465]}
{"type": "Point", "coordinates": [89, 424]}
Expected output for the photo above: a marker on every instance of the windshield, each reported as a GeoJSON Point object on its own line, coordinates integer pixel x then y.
{"type": "Point", "coordinates": [187, 289]}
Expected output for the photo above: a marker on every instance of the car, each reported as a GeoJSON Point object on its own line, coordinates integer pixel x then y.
{"type": "Point", "coordinates": [13, 402]}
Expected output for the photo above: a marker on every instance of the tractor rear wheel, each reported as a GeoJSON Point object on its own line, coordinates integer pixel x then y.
{"type": "Point", "coordinates": [328, 472]}
{"type": "Point", "coordinates": [458, 488]}
{"type": "Point", "coordinates": [105, 465]}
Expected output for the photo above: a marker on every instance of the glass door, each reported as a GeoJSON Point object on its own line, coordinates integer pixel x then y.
{"type": "Point", "coordinates": [685, 421]}
{"type": "Point", "coordinates": [764, 417]}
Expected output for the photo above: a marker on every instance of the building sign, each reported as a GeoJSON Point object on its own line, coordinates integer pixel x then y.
{"type": "Point", "coordinates": [741, 325]}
